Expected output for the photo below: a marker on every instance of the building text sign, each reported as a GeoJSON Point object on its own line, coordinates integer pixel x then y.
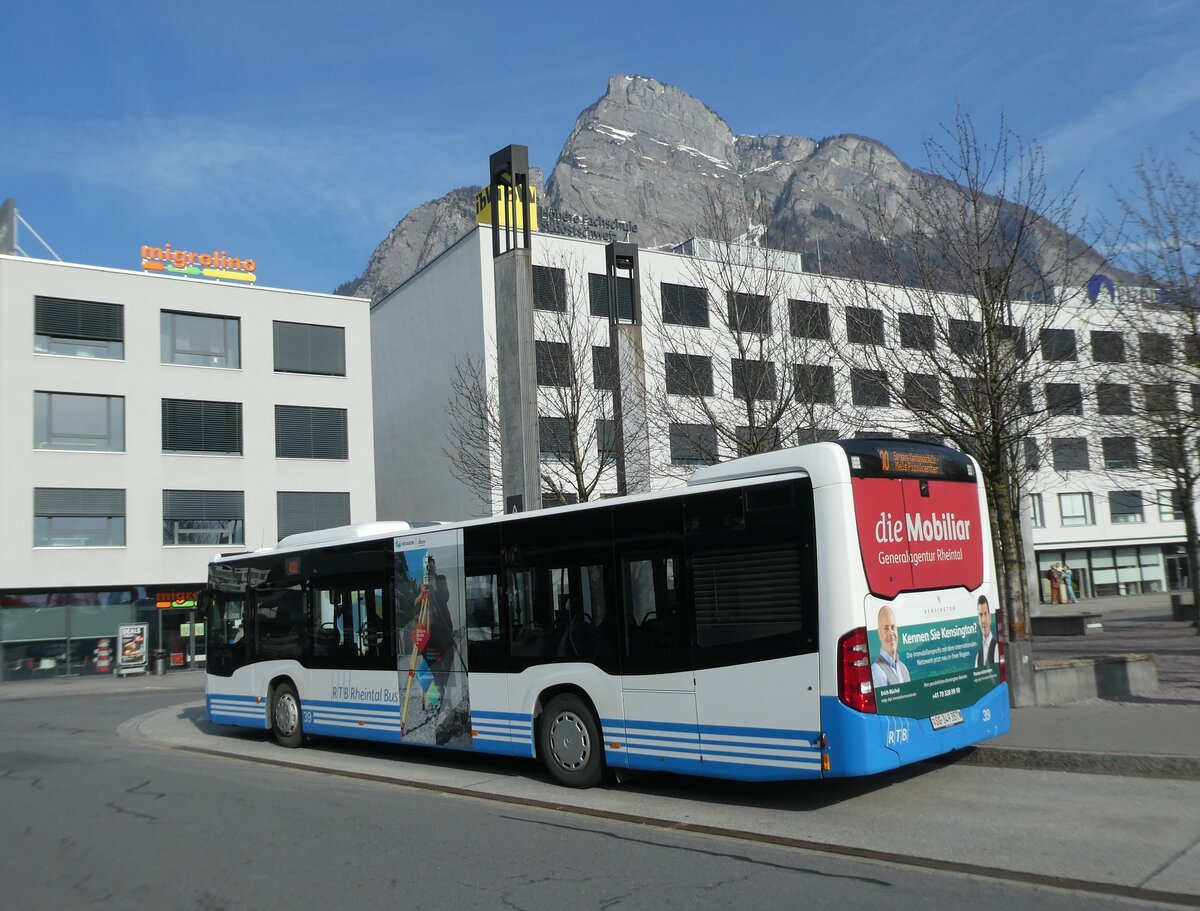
{"type": "Point", "coordinates": [217, 264]}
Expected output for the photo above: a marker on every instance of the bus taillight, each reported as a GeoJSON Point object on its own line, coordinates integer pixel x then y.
{"type": "Point", "coordinates": [854, 671]}
{"type": "Point", "coordinates": [1001, 665]}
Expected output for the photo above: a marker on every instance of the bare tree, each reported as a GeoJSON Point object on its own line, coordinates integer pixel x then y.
{"type": "Point", "coordinates": [575, 376]}
{"type": "Point", "coordinates": [1157, 389]}
{"type": "Point", "coordinates": [747, 365]}
{"type": "Point", "coordinates": [972, 255]}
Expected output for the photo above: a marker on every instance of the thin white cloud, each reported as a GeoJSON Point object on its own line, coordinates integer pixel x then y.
{"type": "Point", "coordinates": [1135, 112]}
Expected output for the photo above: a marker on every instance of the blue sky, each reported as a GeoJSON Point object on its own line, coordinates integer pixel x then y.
{"type": "Point", "coordinates": [299, 133]}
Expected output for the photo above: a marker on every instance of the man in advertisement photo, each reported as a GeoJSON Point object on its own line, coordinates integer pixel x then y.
{"type": "Point", "coordinates": [987, 650]}
{"type": "Point", "coordinates": [888, 669]}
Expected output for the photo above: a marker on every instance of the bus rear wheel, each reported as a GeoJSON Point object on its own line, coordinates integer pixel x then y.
{"type": "Point", "coordinates": [285, 716]}
{"type": "Point", "coordinates": [570, 742]}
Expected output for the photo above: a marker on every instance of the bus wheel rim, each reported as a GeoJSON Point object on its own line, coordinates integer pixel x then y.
{"type": "Point", "coordinates": [569, 741]}
{"type": "Point", "coordinates": [286, 714]}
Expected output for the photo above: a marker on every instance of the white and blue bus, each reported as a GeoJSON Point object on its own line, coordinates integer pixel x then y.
{"type": "Point", "coordinates": [819, 611]}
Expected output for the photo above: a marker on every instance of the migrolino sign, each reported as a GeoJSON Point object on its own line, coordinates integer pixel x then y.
{"type": "Point", "coordinates": [217, 264]}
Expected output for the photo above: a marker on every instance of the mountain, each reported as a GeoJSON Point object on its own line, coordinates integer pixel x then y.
{"type": "Point", "coordinates": [650, 154]}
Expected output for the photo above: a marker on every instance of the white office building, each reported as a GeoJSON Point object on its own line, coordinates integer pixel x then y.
{"type": "Point", "coordinates": [152, 421]}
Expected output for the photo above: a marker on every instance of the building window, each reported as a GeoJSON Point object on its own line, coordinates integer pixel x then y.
{"type": "Point", "coordinates": [1070, 453]}
{"type": "Point", "coordinates": [762, 440]}
{"type": "Point", "coordinates": [750, 313]}
{"type": "Point", "coordinates": [198, 340]}
{"type": "Point", "coordinates": [549, 289]}
{"type": "Point", "coordinates": [1125, 507]}
{"type": "Point", "coordinates": [805, 435]}
{"type": "Point", "coordinates": [1166, 453]}
{"type": "Point", "coordinates": [1119, 452]}
{"type": "Point", "coordinates": [199, 427]}
{"type": "Point", "coordinates": [1037, 512]}
{"type": "Point", "coordinates": [684, 305]}
{"type": "Point", "coordinates": [1170, 505]}
{"type": "Point", "coordinates": [869, 387]}
{"type": "Point", "coordinates": [304, 432]}
{"type": "Point", "coordinates": [598, 296]}
{"type": "Point", "coordinates": [1107, 347]}
{"type": "Point", "coordinates": [1156, 348]}
{"type": "Point", "coordinates": [66, 420]}
{"type": "Point", "coordinates": [916, 331]}
{"type": "Point", "coordinates": [78, 517]}
{"type": "Point", "coordinates": [922, 392]}
{"type": "Point", "coordinates": [554, 438]}
{"type": "Point", "coordinates": [970, 394]}
{"type": "Point", "coordinates": [689, 374]}
{"type": "Point", "coordinates": [1113, 398]}
{"type": "Point", "coordinates": [966, 337]}
{"type": "Point", "coordinates": [306, 348]}
{"type": "Point", "coordinates": [1076, 509]}
{"type": "Point", "coordinates": [693, 444]}
{"type": "Point", "coordinates": [606, 441]}
{"type": "Point", "coordinates": [754, 381]}
{"type": "Point", "coordinates": [208, 517]}
{"type": "Point", "coordinates": [554, 367]}
{"type": "Point", "coordinates": [604, 367]}
{"type": "Point", "coordinates": [1058, 345]}
{"type": "Point", "coordinates": [1160, 398]}
{"type": "Point", "coordinates": [1064, 399]}
{"type": "Point", "coordinates": [298, 511]}
{"type": "Point", "coordinates": [78, 328]}
{"type": "Point", "coordinates": [814, 383]}
{"type": "Point", "coordinates": [808, 319]}
{"type": "Point", "coordinates": [864, 326]}
{"type": "Point", "coordinates": [1033, 454]}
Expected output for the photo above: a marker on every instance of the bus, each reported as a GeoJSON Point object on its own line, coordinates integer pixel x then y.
{"type": "Point", "coordinates": [820, 611]}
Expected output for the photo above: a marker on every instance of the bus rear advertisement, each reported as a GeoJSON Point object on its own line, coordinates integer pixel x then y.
{"type": "Point", "coordinates": [813, 612]}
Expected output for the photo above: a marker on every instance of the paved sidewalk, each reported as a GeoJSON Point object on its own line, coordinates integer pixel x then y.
{"type": "Point", "coordinates": [1155, 736]}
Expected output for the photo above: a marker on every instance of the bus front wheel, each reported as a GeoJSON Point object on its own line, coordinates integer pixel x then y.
{"type": "Point", "coordinates": [570, 742]}
{"type": "Point", "coordinates": [285, 716]}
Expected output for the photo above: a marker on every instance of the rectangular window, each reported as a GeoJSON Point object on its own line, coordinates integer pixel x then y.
{"type": "Point", "coordinates": [1064, 399]}
{"type": "Point", "coordinates": [922, 392]}
{"type": "Point", "coordinates": [970, 394]}
{"type": "Point", "coordinates": [604, 367]}
{"type": "Point", "coordinates": [78, 328]}
{"type": "Point", "coordinates": [1126, 507]}
{"type": "Point", "coordinates": [759, 441]}
{"type": "Point", "coordinates": [689, 374]}
{"type": "Point", "coordinates": [1160, 398]}
{"type": "Point", "coordinates": [1113, 398]}
{"type": "Point", "coordinates": [549, 289]}
{"type": "Point", "coordinates": [1070, 453]}
{"type": "Point", "coordinates": [809, 319]}
{"type": "Point", "coordinates": [1076, 509]}
{"type": "Point", "coordinates": [966, 337]}
{"type": "Point", "coordinates": [198, 340]}
{"type": "Point", "coordinates": [1170, 505]}
{"type": "Point", "coordinates": [814, 383]}
{"type": "Point", "coordinates": [1119, 452]}
{"type": "Point", "coordinates": [1107, 347]}
{"type": "Point", "coordinates": [864, 326]}
{"type": "Point", "coordinates": [1156, 348]}
{"type": "Point", "coordinates": [304, 432]}
{"type": "Point", "coordinates": [805, 435]}
{"type": "Point", "coordinates": [198, 427]}
{"type": "Point", "coordinates": [554, 438]}
{"type": "Point", "coordinates": [1058, 345]}
{"type": "Point", "coordinates": [78, 517]}
{"type": "Point", "coordinates": [1166, 452]}
{"type": "Point", "coordinates": [66, 420]}
{"type": "Point", "coordinates": [1037, 512]}
{"type": "Point", "coordinates": [916, 331]}
{"type": "Point", "coordinates": [553, 360]}
{"type": "Point", "coordinates": [693, 444]}
{"type": "Point", "coordinates": [209, 517]}
{"type": "Point", "coordinates": [747, 593]}
{"type": "Point", "coordinates": [598, 296]}
{"type": "Point", "coordinates": [754, 381]}
{"type": "Point", "coordinates": [750, 313]}
{"type": "Point", "coordinates": [684, 305]}
{"type": "Point", "coordinates": [298, 511]}
{"type": "Point", "coordinates": [1033, 454]}
{"type": "Point", "coordinates": [305, 348]}
{"type": "Point", "coordinates": [869, 387]}
{"type": "Point", "coordinates": [606, 441]}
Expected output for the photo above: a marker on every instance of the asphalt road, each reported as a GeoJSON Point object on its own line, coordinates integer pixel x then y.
{"type": "Point", "coordinates": [91, 817]}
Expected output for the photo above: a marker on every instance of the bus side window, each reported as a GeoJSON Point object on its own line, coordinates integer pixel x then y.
{"type": "Point", "coordinates": [485, 645]}
{"type": "Point", "coordinates": [653, 635]}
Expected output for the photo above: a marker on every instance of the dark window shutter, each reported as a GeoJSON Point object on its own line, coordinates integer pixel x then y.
{"type": "Point", "coordinates": [303, 432]}
{"type": "Point", "coordinates": [198, 426]}
{"type": "Point", "coordinates": [78, 501]}
{"type": "Point", "coordinates": [63, 318]}
{"type": "Point", "coordinates": [299, 511]}
{"type": "Point", "coordinates": [304, 348]}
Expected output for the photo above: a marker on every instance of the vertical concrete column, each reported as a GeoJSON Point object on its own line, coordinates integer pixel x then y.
{"type": "Point", "coordinates": [516, 369]}
{"type": "Point", "coordinates": [629, 407]}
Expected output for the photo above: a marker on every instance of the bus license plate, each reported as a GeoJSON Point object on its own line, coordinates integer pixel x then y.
{"type": "Point", "coordinates": [946, 719]}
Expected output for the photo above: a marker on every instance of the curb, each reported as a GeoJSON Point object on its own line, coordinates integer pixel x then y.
{"type": "Point", "coordinates": [1137, 765]}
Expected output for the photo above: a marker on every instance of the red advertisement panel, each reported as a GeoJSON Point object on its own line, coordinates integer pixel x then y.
{"type": "Point", "coordinates": [918, 534]}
